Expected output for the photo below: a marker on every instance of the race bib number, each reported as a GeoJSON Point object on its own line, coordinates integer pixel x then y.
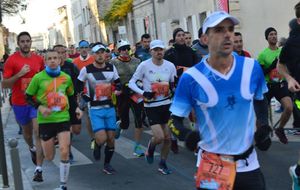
{"type": "Point", "coordinates": [216, 172]}
{"type": "Point", "coordinates": [137, 98]}
{"type": "Point", "coordinates": [275, 76]}
{"type": "Point", "coordinates": [103, 91]}
{"type": "Point", "coordinates": [25, 83]}
{"type": "Point", "coordinates": [161, 89]}
{"type": "Point", "coordinates": [56, 101]}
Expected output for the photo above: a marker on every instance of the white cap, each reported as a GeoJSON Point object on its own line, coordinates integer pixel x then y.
{"type": "Point", "coordinates": [122, 43]}
{"type": "Point", "coordinates": [97, 48]}
{"type": "Point", "coordinates": [157, 44]}
{"type": "Point", "coordinates": [216, 18]}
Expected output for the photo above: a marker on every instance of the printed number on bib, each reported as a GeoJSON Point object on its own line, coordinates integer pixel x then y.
{"type": "Point", "coordinates": [103, 91]}
{"type": "Point", "coordinates": [216, 172]}
{"type": "Point", "coordinates": [24, 83]}
{"type": "Point", "coordinates": [56, 101]}
{"type": "Point", "coordinates": [161, 89]}
{"type": "Point", "coordinates": [275, 76]}
{"type": "Point", "coordinates": [137, 98]}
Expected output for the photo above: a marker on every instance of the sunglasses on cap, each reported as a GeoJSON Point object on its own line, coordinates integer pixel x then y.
{"type": "Point", "coordinates": [124, 48]}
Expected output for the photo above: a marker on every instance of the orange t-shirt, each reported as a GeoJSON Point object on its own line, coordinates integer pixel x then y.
{"type": "Point", "coordinates": [82, 63]}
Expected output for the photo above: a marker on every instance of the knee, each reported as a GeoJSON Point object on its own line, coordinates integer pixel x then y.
{"type": "Point", "coordinates": [48, 157]}
{"type": "Point", "coordinates": [159, 139]}
{"type": "Point", "coordinates": [288, 109]}
{"type": "Point", "coordinates": [64, 151]}
{"type": "Point", "coordinates": [110, 142]}
{"type": "Point", "coordinates": [101, 141]}
{"type": "Point", "coordinates": [76, 129]}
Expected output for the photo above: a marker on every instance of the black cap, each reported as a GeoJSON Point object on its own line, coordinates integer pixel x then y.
{"type": "Point", "coordinates": [176, 31]}
{"type": "Point", "coordinates": [268, 31]}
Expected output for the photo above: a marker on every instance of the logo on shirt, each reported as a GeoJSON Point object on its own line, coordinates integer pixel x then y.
{"type": "Point", "coordinates": [230, 102]}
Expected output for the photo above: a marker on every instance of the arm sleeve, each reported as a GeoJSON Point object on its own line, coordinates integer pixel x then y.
{"type": "Point", "coordinates": [31, 101]}
{"type": "Point", "coordinates": [182, 102]}
{"type": "Point", "coordinates": [138, 75]}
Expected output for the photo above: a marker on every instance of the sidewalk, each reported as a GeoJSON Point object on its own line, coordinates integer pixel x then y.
{"type": "Point", "coordinates": [10, 128]}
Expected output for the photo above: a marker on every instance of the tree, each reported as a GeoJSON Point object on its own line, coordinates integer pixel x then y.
{"type": "Point", "coordinates": [11, 7]}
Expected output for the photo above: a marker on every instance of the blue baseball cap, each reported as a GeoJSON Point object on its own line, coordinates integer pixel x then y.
{"type": "Point", "coordinates": [216, 18]}
{"type": "Point", "coordinates": [83, 43]}
{"type": "Point", "coordinates": [97, 48]}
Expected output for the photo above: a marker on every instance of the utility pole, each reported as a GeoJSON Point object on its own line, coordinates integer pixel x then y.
{"type": "Point", "coordinates": [0, 11]}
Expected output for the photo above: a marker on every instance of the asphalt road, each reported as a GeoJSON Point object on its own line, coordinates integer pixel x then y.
{"type": "Point", "coordinates": [134, 173]}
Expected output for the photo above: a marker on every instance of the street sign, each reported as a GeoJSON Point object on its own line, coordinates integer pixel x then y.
{"type": "Point", "coordinates": [122, 29]}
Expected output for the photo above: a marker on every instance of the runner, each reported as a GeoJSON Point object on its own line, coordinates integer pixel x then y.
{"type": "Point", "coordinates": [70, 69]}
{"type": "Point", "coordinates": [220, 89]}
{"type": "Point", "coordinates": [99, 77]}
{"type": "Point", "coordinates": [288, 66]}
{"type": "Point", "coordinates": [277, 85]}
{"type": "Point", "coordinates": [157, 76]}
{"type": "Point", "coordinates": [126, 66]}
{"type": "Point", "coordinates": [51, 88]}
{"type": "Point", "coordinates": [18, 71]}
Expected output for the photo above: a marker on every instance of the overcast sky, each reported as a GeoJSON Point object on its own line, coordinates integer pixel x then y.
{"type": "Point", "coordinates": [40, 14]}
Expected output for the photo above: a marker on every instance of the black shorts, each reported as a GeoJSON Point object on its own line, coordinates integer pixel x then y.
{"type": "Point", "coordinates": [158, 115]}
{"type": "Point", "coordinates": [73, 118]}
{"type": "Point", "coordinates": [278, 90]}
{"type": "Point", "coordinates": [50, 130]}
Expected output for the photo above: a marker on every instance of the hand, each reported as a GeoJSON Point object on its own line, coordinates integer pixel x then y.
{"type": "Point", "coordinates": [44, 111]}
{"type": "Point", "coordinates": [262, 137]}
{"type": "Point", "coordinates": [149, 95]}
{"type": "Point", "coordinates": [191, 140]}
{"type": "Point", "coordinates": [79, 113]}
{"type": "Point", "coordinates": [25, 69]}
{"type": "Point", "coordinates": [293, 85]}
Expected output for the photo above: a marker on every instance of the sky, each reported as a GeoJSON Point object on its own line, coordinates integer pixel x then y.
{"type": "Point", "coordinates": [40, 14]}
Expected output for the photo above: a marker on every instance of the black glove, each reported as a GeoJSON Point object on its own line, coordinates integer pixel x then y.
{"type": "Point", "coordinates": [149, 95]}
{"type": "Point", "coordinates": [86, 98]}
{"type": "Point", "coordinates": [262, 137]}
{"type": "Point", "coordinates": [191, 140]}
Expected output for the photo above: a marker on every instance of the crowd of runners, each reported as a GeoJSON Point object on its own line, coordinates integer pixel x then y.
{"type": "Point", "coordinates": [211, 81]}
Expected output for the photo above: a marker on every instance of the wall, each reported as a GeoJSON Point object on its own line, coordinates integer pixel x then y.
{"type": "Point", "coordinates": [257, 15]}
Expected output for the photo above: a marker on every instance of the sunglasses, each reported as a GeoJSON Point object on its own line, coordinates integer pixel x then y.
{"type": "Point", "coordinates": [124, 48]}
{"type": "Point", "coordinates": [84, 47]}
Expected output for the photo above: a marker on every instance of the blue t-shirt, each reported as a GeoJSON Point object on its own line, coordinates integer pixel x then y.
{"type": "Point", "coordinates": [223, 103]}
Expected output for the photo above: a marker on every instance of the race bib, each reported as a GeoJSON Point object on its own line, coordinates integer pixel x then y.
{"type": "Point", "coordinates": [216, 172]}
{"type": "Point", "coordinates": [137, 98]}
{"type": "Point", "coordinates": [103, 91]}
{"type": "Point", "coordinates": [275, 76]}
{"type": "Point", "coordinates": [24, 83]}
{"type": "Point", "coordinates": [161, 89]}
{"type": "Point", "coordinates": [57, 101]}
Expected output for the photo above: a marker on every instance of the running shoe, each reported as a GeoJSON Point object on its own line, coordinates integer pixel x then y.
{"type": "Point", "coordinates": [118, 129]}
{"type": "Point", "coordinates": [138, 151]}
{"type": "Point", "coordinates": [163, 169]}
{"type": "Point", "coordinates": [38, 176]}
{"type": "Point", "coordinates": [174, 146]}
{"type": "Point", "coordinates": [281, 135]}
{"type": "Point", "coordinates": [61, 188]}
{"type": "Point", "coordinates": [149, 157]}
{"type": "Point", "coordinates": [33, 156]}
{"type": "Point", "coordinates": [108, 169]}
{"type": "Point", "coordinates": [295, 178]}
{"type": "Point", "coordinates": [97, 151]}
